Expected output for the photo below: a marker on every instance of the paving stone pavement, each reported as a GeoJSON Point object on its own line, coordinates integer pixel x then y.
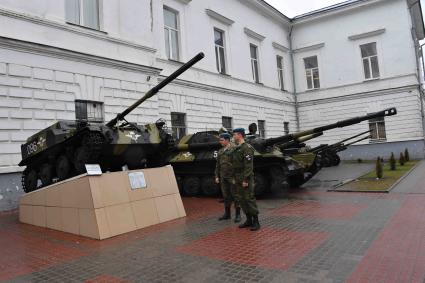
{"type": "Point", "coordinates": [309, 235]}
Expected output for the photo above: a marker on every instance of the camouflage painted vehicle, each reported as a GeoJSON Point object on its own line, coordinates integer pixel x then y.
{"type": "Point", "coordinates": [275, 165]}
{"type": "Point", "coordinates": [62, 150]}
{"type": "Point", "coordinates": [195, 158]}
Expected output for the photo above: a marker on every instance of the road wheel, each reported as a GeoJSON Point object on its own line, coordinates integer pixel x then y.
{"type": "Point", "coordinates": [209, 187]}
{"type": "Point", "coordinates": [46, 174]}
{"type": "Point", "coordinates": [191, 186]}
{"type": "Point", "coordinates": [337, 160]}
{"type": "Point", "coordinates": [260, 184]}
{"type": "Point", "coordinates": [279, 179]}
{"type": "Point", "coordinates": [63, 167]}
{"type": "Point", "coordinates": [29, 180]}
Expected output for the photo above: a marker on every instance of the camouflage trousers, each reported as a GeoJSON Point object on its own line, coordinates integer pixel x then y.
{"type": "Point", "coordinates": [247, 198]}
{"type": "Point", "coordinates": [228, 191]}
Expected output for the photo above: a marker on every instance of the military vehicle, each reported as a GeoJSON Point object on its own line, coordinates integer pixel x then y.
{"type": "Point", "coordinates": [329, 153]}
{"type": "Point", "coordinates": [62, 150]}
{"type": "Point", "coordinates": [274, 168]}
{"type": "Point", "coordinates": [195, 159]}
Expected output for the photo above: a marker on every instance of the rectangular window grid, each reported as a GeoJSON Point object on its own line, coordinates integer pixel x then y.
{"type": "Point", "coordinates": [91, 111]}
{"type": "Point", "coordinates": [254, 63]}
{"type": "Point", "coordinates": [279, 62]}
{"type": "Point", "coordinates": [378, 131]}
{"type": "Point", "coordinates": [370, 60]}
{"type": "Point", "coordinates": [262, 128]}
{"type": "Point", "coordinates": [220, 55]}
{"type": "Point", "coordinates": [178, 124]}
{"type": "Point", "coordinates": [171, 33]}
{"type": "Point", "coordinates": [227, 123]}
{"type": "Point", "coordinates": [312, 72]}
{"type": "Point", "coordinates": [83, 13]}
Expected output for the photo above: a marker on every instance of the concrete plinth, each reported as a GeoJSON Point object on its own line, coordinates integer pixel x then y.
{"type": "Point", "coordinates": [104, 206]}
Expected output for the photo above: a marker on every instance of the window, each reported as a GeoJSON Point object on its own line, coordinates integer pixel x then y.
{"type": "Point", "coordinates": [83, 12]}
{"type": "Point", "coordinates": [377, 127]}
{"type": "Point", "coordinates": [279, 60]}
{"type": "Point", "coordinates": [227, 123]}
{"type": "Point", "coordinates": [254, 62]}
{"type": "Point", "coordinates": [220, 56]}
{"type": "Point", "coordinates": [178, 124]}
{"type": "Point", "coordinates": [370, 61]}
{"type": "Point", "coordinates": [262, 128]}
{"type": "Point", "coordinates": [286, 128]}
{"type": "Point", "coordinates": [312, 72]}
{"type": "Point", "coordinates": [91, 111]}
{"type": "Point", "coordinates": [171, 32]}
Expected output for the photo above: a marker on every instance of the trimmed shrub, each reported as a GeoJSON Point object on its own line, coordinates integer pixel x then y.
{"type": "Point", "coordinates": [359, 160]}
{"type": "Point", "coordinates": [406, 155]}
{"type": "Point", "coordinates": [379, 169]}
{"type": "Point", "coordinates": [402, 160]}
{"type": "Point", "coordinates": [393, 162]}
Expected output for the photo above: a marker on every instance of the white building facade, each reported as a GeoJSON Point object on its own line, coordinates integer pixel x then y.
{"type": "Point", "coordinates": [92, 58]}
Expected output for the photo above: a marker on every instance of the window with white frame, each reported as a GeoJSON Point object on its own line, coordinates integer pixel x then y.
{"type": "Point", "coordinates": [370, 60]}
{"type": "Point", "coordinates": [171, 33]}
{"type": "Point", "coordinates": [227, 123]}
{"type": "Point", "coordinates": [377, 127]}
{"type": "Point", "coordinates": [178, 124]}
{"type": "Point", "coordinates": [83, 13]}
{"type": "Point", "coordinates": [262, 128]}
{"type": "Point", "coordinates": [279, 61]}
{"type": "Point", "coordinates": [220, 54]}
{"type": "Point", "coordinates": [91, 111]}
{"type": "Point", "coordinates": [312, 72]}
{"type": "Point", "coordinates": [254, 63]}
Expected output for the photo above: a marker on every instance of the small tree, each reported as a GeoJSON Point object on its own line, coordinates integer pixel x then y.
{"type": "Point", "coordinates": [402, 160]}
{"type": "Point", "coordinates": [379, 169]}
{"type": "Point", "coordinates": [406, 155]}
{"type": "Point", "coordinates": [392, 162]}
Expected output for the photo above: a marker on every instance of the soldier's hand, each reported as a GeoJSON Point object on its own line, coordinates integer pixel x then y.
{"type": "Point", "coordinates": [245, 184]}
{"type": "Point", "coordinates": [217, 180]}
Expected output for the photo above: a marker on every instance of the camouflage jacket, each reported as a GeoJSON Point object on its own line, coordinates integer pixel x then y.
{"type": "Point", "coordinates": [243, 162]}
{"type": "Point", "coordinates": [224, 166]}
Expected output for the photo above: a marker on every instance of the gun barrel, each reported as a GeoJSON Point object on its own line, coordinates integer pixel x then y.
{"type": "Point", "coordinates": [340, 124]}
{"type": "Point", "coordinates": [299, 141]}
{"type": "Point", "coordinates": [157, 88]}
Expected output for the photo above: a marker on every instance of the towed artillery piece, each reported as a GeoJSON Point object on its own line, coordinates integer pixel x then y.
{"type": "Point", "coordinates": [311, 162]}
{"type": "Point", "coordinates": [329, 153]}
{"type": "Point", "coordinates": [62, 150]}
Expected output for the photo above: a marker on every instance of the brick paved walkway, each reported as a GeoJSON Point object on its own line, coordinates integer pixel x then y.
{"type": "Point", "coordinates": [312, 236]}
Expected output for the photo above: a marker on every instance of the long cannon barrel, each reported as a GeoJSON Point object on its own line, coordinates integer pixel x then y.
{"type": "Point", "coordinates": [157, 88]}
{"type": "Point", "coordinates": [344, 146]}
{"type": "Point", "coordinates": [350, 138]}
{"type": "Point", "coordinates": [271, 141]}
{"type": "Point", "coordinates": [299, 141]}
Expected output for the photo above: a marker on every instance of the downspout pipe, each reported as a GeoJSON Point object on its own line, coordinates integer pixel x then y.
{"type": "Point", "coordinates": [294, 85]}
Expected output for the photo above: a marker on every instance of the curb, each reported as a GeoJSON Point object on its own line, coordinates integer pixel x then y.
{"type": "Point", "coordinates": [334, 189]}
{"type": "Point", "coordinates": [404, 176]}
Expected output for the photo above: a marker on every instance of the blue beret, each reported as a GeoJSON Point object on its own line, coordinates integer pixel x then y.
{"type": "Point", "coordinates": [226, 136]}
{"type": "Point", "coordinates": [239, 130]}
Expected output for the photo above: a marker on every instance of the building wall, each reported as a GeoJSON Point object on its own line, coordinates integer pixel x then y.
{"type": "Point", "coordinates": [344, 92]}
{"type": "Point", "coordinates": [39, 82]}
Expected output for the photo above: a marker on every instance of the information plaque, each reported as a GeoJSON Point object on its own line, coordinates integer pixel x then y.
{"type": "Point", "coordinates": [137, 180]}
{"type": "Point", "coordinates": [93, 169]}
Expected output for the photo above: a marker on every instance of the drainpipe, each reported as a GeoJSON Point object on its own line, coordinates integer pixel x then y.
{"type": "Point", "coordinates": [297, 117]}
{"type": "Point", "coordinates": [418, 72]}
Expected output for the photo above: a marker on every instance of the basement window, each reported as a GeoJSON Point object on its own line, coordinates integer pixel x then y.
{"type": "Point", "coordinates": [91, 111]}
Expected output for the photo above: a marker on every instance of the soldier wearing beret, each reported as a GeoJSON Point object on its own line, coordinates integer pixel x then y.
{"type": "Point", "coordinates": [224, 177]}
{"type": "Point", "coordinates": [243, 166]}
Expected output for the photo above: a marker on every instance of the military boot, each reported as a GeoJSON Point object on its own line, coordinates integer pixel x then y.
{"type": "Point", "coordinates": [255, 224]}
{"type": "Point", "coordinates": [247, 223]}
{"type": "Point", "coordinates": [226, 214]}
{"type": "Point", "coordinates": [237, 215]}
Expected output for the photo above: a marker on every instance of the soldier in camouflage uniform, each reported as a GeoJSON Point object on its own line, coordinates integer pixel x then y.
{"type": "Point", "coordinates": [243, 166]}
{"type": "Point", "coordinates": [224, 177]}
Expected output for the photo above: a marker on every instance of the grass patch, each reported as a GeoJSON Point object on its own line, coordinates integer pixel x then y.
{"type": "Point", "coordinates": [369, 183]}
